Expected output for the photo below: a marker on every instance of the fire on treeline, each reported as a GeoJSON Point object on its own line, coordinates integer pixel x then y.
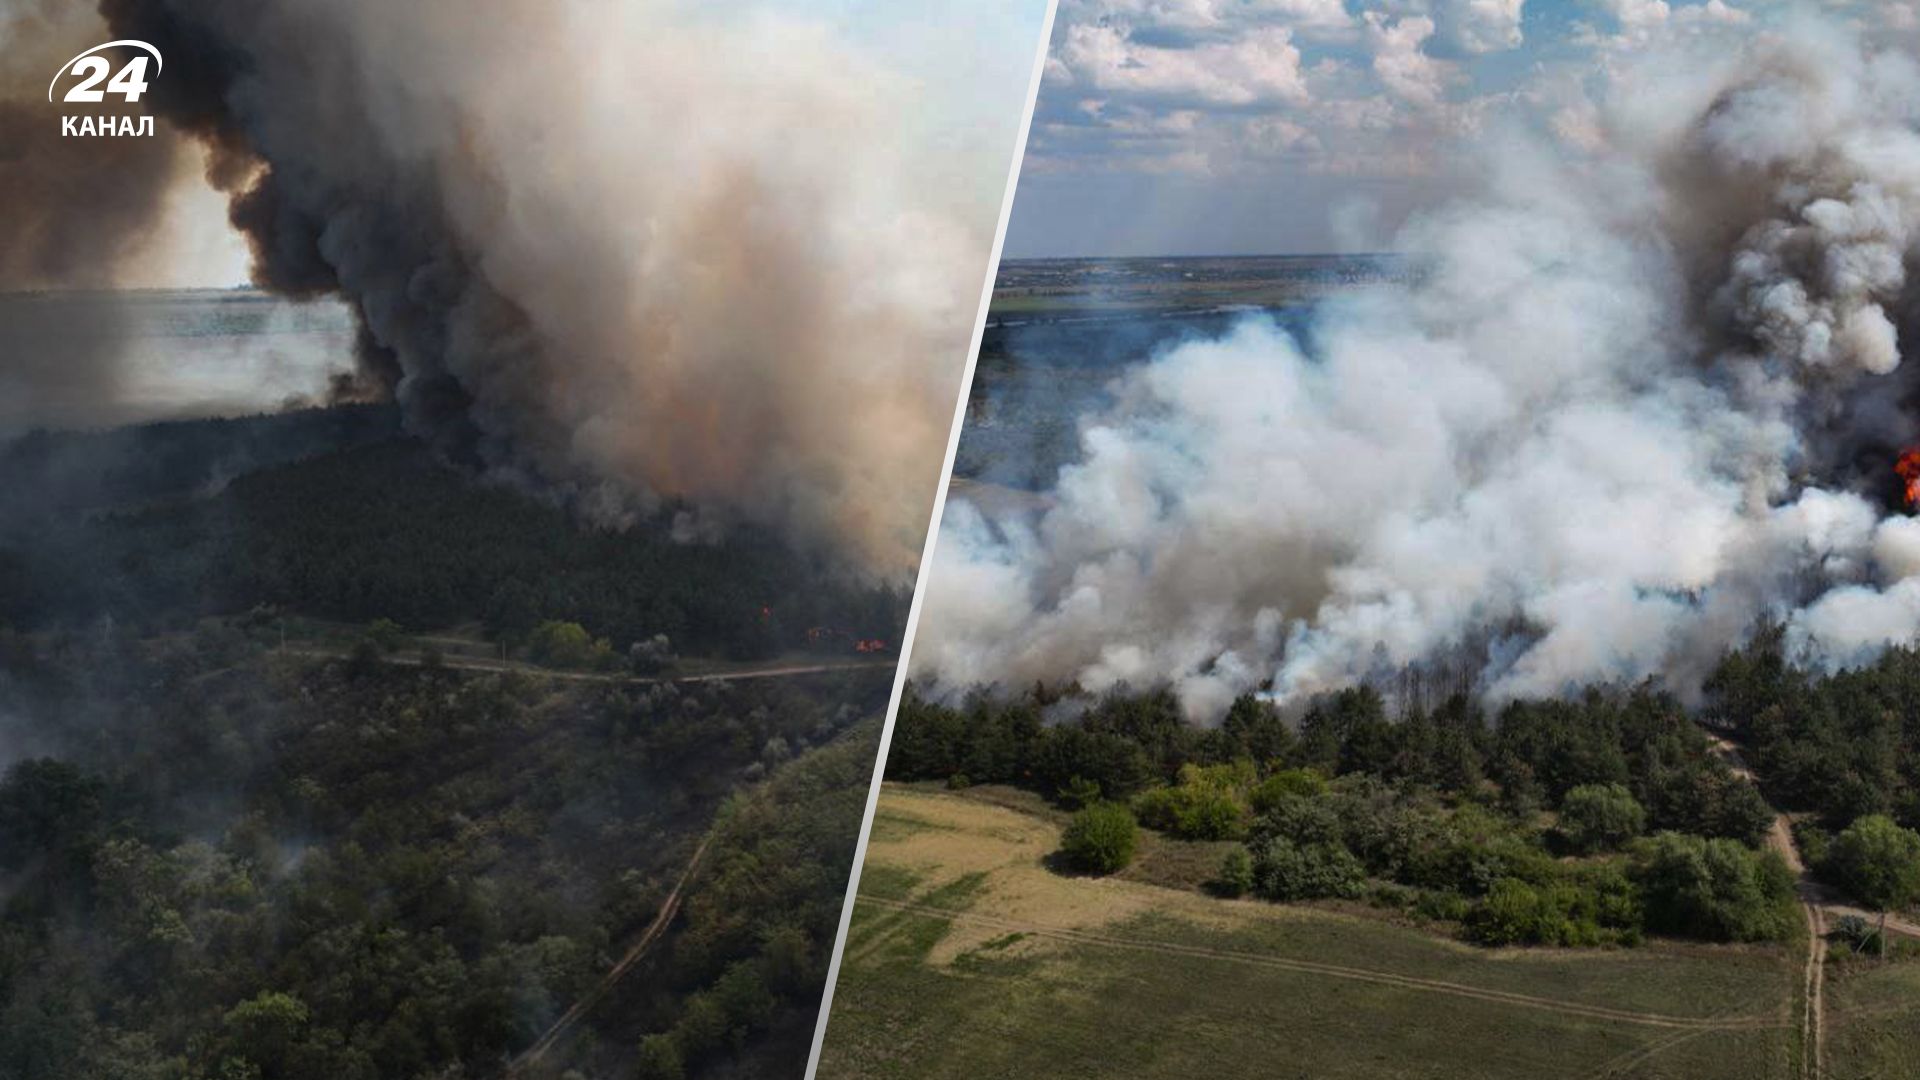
{"type": "Point", "coordinates": [1908, 468]}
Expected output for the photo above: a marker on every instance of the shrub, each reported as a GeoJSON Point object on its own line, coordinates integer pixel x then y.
{"type": "Point", "coordinates": [1191, 811]}
{"type": "Point", "coordinates": [386, 635]}
{"type": "Point", "coordinates": [1442, 906]}
{"type": "Point", "coordinates": [1600, 817]}
{"type": "Point", "coordinates": [1512, 913]}
{"type": "Point", "coordinates": [1079, 793]}
{"type": "Point", "coordinates": [1715, 890]}
{"type": "Point", "coordinates": [1573, 912]}
{"type": "Point", "coordinates": [659, 1059]}
{"type": "Point", "coordinates": [568, 645]}
{"type": "Point", "coordinates": [1287, 784]}
{"type": "Point", "coordinates": [1284, 870]}
{"type": "Point", "coordinates": [1236, 873]}
{"type": "Point", "coordinates": [1101, 838]}
{"type": "Point", "coordinates": [1878, 862]}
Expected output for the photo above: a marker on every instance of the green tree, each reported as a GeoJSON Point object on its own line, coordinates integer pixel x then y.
{"type": "Point", "coordinates": [1600, 817]}
{"type": "Point", "coordinates": [1878, 862]}
{"type": "Point", "coordinates": [659, 1059]}
{"type": "Point", "coordinates": [567, 645]}
{"type": "Point", "coordinates": [1287, 784]}
{"type": "Point", "coordinates": [386, 635]}
{"type": "Point", "coordinates": [1714, 889]}
{"type": "Point", "coordinates": [1236, 873]}
{"type": "Point", "coordinates": [1101, 838]}
{"type": "Point", "coordinates": [1285, 870]}
{"type": "Point", "coordinates": [49, 807]}
{"type": "Point", "coordinates": [264, 1028]}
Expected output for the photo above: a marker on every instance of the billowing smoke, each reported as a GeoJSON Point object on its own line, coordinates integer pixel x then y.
{"type": "Point", "coordinates": [1648, 393]}
{"type": "Point", "coordinates": [72, 213]}
{"type": "Point", "coordinates": [630, 250]}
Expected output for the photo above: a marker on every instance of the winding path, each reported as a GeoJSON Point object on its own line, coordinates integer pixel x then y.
{"type": "Point", "coordinates": [1820, 901]}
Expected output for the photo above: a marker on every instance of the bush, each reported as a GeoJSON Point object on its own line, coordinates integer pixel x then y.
{"type": "Point", "coordinates": [1191, 811]}
{"type": "Point", "coordinates": [1441, 906]}
{"type": "Point", "coordinates": [1101, 838]}
{"type": "Point", "coordinates": [1284, 870]}
{"type": "Point", "coordinates": [1878, 862]}
{"type": "Point", "coordinates": [1715, 890]}
{"type": "Point", "coordinates": [1512, 913]}
{"type": "Point", "coordinates": [1079, 793]}
{"type": "Point", "coordinates": [1600, 817]}
{"type": "Point", "coordinates": [1287, 784]}
{"type": "Point", "coordinates": [1571, 912]}
{"type": "Point", "coordinates": [568, 645]}
{"type": "Point", "coordinates": [386, 635]}
{"type": "Point", "coordinates": [1236, 873]}
{"type": "Point", "coordinates": [659, 1059]}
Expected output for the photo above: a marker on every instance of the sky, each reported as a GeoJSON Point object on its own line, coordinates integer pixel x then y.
{"type": "Point", "coordinates": [1197, 127]}
{"type": "Point", "coordinates": [969, 64]}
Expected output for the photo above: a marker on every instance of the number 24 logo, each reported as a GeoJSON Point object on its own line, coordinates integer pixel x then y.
{"type": "Point", "coordinates": [130, 81]}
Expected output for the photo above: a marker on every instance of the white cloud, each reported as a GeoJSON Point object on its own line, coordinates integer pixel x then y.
{"type": "Point", "coordinates": [1400, 61]}
{"type": "Point", "coordinates": [1480, 26]}
{"type": "Point", "coordinates": [1261, 66]}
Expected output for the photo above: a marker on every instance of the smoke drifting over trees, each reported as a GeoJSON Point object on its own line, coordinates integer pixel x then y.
{"type": "Point", "coordinates": [627, 251]}
{"type": "Point", "coordinates": [1649, 393]}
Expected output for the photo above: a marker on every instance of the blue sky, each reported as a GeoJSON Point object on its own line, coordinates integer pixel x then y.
{"type": "Point", "coordinates": [1253, 126]}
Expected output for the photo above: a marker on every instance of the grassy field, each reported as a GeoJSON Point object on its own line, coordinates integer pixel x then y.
{"type": "Point", "coordinates": [969, 958]}
{"type": "Point", "coordinates": [1873, 1021]}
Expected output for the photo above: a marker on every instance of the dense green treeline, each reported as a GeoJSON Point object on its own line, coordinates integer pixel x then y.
{"type": "Point", "coordinates": [386, 531]}
{"type": "Point", "coordinates": [1589, 821]}
{"type": "Point", "coordinates": [46, 474]}
{"type": "Point", "coordinates": [216, 865]}
{"type": "Point", "coordinates": [1841, 745]}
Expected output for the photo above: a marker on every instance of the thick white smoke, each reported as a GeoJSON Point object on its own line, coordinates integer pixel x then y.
{"type": "Point", "coordinates": [1649, 392]}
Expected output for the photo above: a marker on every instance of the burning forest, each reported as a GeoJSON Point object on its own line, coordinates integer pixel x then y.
{"type": "Point", "coordinates": [563, 283]}
{"type": "Point", "coordinates": [1648, 395]}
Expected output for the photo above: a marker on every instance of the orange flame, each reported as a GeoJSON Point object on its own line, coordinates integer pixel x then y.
{"type": "Point", "coordinates": [1909, 469]}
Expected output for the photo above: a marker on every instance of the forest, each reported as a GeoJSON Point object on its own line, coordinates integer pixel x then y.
{"type": "Point", "coordinates": [225, 859]}
{"type": "Point", "coordinates": [360, 525]}
{"type": "Point", "coordinates": [1594, 820]}
{"type": "Point", "coordinates": [220, 865]}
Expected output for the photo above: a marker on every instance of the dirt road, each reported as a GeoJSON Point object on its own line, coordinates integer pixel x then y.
{"type": "Point", "coordinates": [1822, 905]}
{"type": "Point", "coordinates": [462, 663]}
{"type": "Point", "coordinates": [669, 908]}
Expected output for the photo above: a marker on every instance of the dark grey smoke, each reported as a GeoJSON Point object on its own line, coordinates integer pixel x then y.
{"type": "Point", "coordinates": [560, 275]}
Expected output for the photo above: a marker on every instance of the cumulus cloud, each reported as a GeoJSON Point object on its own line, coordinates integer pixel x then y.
{"type": "Point", "coordinates": [1400, 60]}
{"type": "Point", "coordinates": [1261, 66]}
{"type": "Point", "coordinates": [1480, 26]}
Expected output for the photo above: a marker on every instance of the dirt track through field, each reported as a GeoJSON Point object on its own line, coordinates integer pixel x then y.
{"type": "Point", "coordinates": [1407, 982]}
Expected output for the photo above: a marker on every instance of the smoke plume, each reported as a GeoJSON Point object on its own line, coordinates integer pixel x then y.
{"type": "Point", "coordinates": [1648, 392]}
{"type": "Point", "coordinates": [75, 210]}
{"type": "Point", "coordinates": [627, 250]}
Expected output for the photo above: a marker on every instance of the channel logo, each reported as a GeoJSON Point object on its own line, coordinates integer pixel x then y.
{"type": "Point", "coordinates": [86, 73]}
